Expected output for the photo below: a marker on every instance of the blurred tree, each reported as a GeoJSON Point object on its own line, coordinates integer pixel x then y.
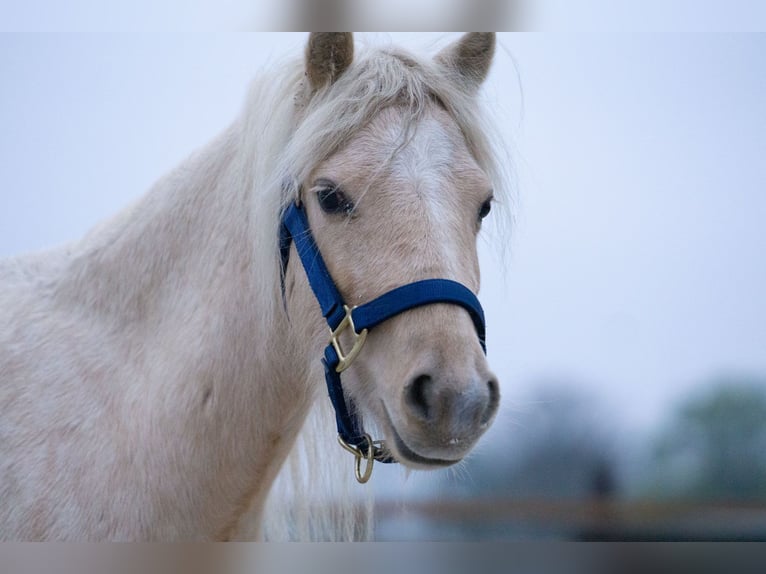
{"type": "Point", "coordinates": [567, 447]}
{"type": "Point", "coordinates": [562, 446]}
{"type": "Point", "coordinates": [715, 447]}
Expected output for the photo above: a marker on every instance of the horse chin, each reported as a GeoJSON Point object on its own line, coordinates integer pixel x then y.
{"type": "Point", "coordinates": [404, 454]}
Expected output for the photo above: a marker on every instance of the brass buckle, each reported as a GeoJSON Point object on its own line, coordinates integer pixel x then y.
{"type": "Point", "coordinates": [359, 338]}
{"type": "Point", "coordinates": [361, 477]}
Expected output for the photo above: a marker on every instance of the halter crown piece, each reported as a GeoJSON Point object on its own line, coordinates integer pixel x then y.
{"type": "Point", "coordinates": [359, 320]}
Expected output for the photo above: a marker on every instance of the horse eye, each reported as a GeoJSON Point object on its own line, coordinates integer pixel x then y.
{"type": "Point", "coordinates": [333, 200]}
{"type": "Point", "coordinates": [486, 207]}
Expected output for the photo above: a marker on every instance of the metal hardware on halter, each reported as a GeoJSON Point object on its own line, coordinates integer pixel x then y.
{"type": "Point", "coordinates": [375, 451]}
{"type": "Point", "coordinates": [359, 338]}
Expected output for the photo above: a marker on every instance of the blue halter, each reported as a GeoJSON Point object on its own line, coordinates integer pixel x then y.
{"type": "Point", "coordinates": [359, 320]}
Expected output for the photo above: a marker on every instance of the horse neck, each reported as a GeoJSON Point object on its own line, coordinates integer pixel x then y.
{"type": "Point", "coordinates": [187, 254]}
{"type": "Point", "coordinates": [175, 281]}
{"type": "Point", "coordinates": [177, 232]}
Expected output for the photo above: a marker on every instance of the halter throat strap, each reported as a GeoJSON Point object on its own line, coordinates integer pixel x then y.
{"type": "Point", "coordinates": [295, 229]}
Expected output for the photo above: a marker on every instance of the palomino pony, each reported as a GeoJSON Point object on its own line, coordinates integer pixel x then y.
{"type": "Point", "coordinates": [154, 376]}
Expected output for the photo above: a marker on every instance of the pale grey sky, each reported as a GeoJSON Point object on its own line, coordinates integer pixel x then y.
{"type": "Point", "coordinates": [247, 15]}
{"type": "Point", "coordinates": [636, 267]}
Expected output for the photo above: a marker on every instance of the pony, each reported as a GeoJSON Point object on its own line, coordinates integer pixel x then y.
{"type": "Point", "coordinates": [156, 375]}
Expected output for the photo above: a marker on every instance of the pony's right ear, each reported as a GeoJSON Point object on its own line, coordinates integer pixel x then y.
{"type": "Point", "coordinates": [328, 55]}
{"type": "Point", "coordinates": [469, 58]}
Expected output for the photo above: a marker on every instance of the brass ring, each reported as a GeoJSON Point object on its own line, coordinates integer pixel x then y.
{"type": "Point", "coordinates": [358, 456]}
{"type": "Point", "coordinates": [362, 478]}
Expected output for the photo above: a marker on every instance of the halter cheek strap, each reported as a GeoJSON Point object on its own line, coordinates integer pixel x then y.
{"type": "Point", "coordinates": [358, 321]}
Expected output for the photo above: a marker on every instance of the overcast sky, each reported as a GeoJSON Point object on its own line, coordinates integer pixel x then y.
{"type": "Point", "coordinates": [636, 265]}
{"type": "Point", "coordinates": [262, 15]}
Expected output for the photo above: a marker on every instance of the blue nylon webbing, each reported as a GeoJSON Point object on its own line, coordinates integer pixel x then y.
{"type": "Point", "coordinates": [295, 226]}
{"type": "Point", "coordinates": [417, 294]}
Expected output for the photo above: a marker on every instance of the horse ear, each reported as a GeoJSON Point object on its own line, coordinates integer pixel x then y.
{"type": "Point", "coordinates": [470, 58]}
{"type": "Point", "coordinates": [328, 55]}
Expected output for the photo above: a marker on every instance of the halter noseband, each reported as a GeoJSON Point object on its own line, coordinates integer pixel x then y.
{"type": "Point", "coordinates": [359, 320]}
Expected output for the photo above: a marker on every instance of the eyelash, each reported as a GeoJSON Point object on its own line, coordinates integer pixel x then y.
{"type": "Point", "coordinates": [485, 208]}
{"type": "Point", "coordinates": [333, 200]}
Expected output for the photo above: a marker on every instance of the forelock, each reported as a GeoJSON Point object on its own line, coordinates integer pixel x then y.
{"type": "Point", "coordinates": [378, 79]}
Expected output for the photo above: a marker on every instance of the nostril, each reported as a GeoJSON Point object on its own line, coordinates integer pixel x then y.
{"type": "Point", "coordinates": [494, 401]}
{"type": "Point", "coordinates": [417, 394]}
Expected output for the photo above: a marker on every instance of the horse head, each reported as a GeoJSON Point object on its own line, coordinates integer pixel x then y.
{"type": "Point", "coordinates": [397, 195]}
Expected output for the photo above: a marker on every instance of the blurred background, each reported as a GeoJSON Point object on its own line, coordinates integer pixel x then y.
{"type": "Point", "coordinates": [625, 307]}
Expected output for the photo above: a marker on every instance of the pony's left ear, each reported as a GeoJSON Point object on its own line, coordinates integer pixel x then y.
{"type": "Point", "coordinates": [470, 58]}
{"type": "Point", "coordinates": [328, 55]}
